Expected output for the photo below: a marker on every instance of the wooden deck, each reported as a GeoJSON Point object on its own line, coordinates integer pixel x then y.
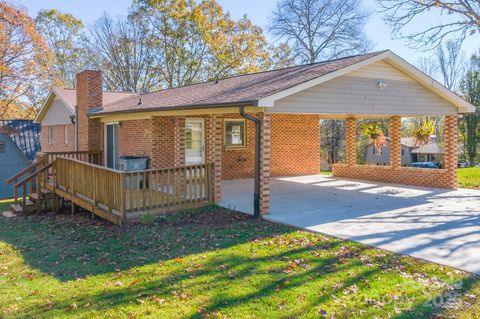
{"type": "Point", "coordinates": [117, 196]}
{"type": "Point", "coordinates": [120, 196]}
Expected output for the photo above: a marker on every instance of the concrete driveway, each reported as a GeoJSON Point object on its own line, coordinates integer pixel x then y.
{"type": "Point", "coordinates": [434, 224]}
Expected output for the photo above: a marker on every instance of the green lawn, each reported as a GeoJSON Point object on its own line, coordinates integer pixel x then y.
{"type": "Point", "coordinates": [469, 177]}
{"type": "Point", "coordinates": [211, 263]}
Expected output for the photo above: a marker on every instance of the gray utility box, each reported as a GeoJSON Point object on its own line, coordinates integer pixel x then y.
{"type": "Point", "coordinates": [133, 163]}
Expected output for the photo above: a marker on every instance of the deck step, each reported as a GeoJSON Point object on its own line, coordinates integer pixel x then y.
{"type": "Point", "coordinates": [45, 191]}
{"type": "Point", "coordinates": [17, 208]}
{"type": "Point", "coordinates": [45, 194]}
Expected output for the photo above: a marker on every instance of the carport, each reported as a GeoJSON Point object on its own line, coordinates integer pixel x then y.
{"type": "Point", "coordinates": [382, 86]}
{"type": "Point", "coordinates": [372, 204]}
{"type": "Point", "coordinates": [434, 224]}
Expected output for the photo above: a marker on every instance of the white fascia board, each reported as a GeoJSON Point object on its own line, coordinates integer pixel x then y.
{"type": "Point", "coordinates": [44, 107]}
{"type": "Point", "coordinates": [430, 83]}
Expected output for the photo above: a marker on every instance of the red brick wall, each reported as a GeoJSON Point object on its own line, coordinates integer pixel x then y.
{"type": "Point", "coordinates": [135, 138]}
{"type": "Point", "coordinates": [294, 147]}
{"type": "Point", "coordinates": [399, 175]}
{"type": "Point", "coordinates": [58, 139]}
{"type": "Point", "coordinates": [89, 95]}
{"type": "Point", "coordinates": [238, 163]}
{"type": "Point", "coordinates": [442, 178]}
{"type": "Point", "coordinates": [295, 144]}
{"type": "Point", "coordinates": [163, 142]}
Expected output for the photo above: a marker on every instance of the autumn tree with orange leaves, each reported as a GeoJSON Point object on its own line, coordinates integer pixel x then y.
{"type": "Point", "coordinates": [25, 60]}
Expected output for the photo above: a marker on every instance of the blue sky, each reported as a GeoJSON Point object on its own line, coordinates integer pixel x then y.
{"type": "Point", "coordinates": [257, 10]}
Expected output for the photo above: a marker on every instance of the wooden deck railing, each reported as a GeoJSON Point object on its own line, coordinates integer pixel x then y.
{"type": "Point", "coordinates": [118, 195]}
{"type": "Point", "coordinates": [92, 157]}
{"type": "Point", "coordinates": [169, 187]}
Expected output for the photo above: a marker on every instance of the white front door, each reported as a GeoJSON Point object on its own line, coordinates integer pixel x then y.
{"type": "Point", "coordinates": [194, 141]}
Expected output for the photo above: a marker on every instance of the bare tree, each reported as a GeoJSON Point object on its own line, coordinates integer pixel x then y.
{"type": "Point", "coordinates": [461, 20]}
{"type": "Point", "coordinates": [332, 143]}
{"type": "Point", "coordinates": [321, 29]}
{"type": "Point", "coordinates": [451, 60]}
{"type": "Point", "coordinates": [429, 66]}
{"type": "Point", "coordinates": [120, 47]}
{"type": "Point", "coordinates": [470, 124]}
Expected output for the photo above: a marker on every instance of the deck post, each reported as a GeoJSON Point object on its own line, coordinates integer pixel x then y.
{"type": "Point", "coordinates": [39, 194]}
{"type": "Point", "coordinates": [54, 193]}
{"type": "Point", "coordinates": [123, 207]}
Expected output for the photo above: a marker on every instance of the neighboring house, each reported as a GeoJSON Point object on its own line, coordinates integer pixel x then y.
{"type": "Point", "coordinates": [213, 123]}
{"type": "Point", "coordinates": [431, 152]}
{"type": "Point", "coordinates": [374, 157]}
{"type": "Point", "coordinates": [19, 142]}
{"type": "Point", "coordinates": [57, 117]}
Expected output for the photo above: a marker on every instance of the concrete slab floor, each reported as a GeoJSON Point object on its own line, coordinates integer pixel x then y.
{"type": "Point", "coordinates": [438, 225]}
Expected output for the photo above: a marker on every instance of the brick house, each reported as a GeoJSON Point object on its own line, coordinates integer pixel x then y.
{"type": "Point", "coordinates": [213, 122]}
{"type": "Point", "coordinates": [57, 118]}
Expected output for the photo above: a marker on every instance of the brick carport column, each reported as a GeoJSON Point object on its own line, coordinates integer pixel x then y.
{"type": "Point", "coordinates": [350, 139]}
{"type": "Point", "coordinates": [395, 141]}
{"type": "Point", "coordinates": [214, 155]}
{"type": "Point", "coordinates": [265, 164]}
{"type": "Point", "coordinates": [450, 155]}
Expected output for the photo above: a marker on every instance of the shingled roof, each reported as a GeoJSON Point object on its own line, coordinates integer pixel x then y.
{"type": "Point", "coordinates": [69, 96]}
{"type": "Point", "coordinates": [244, 89]}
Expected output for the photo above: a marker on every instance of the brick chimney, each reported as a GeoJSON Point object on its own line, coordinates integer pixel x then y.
{"type": "Point", "coordinates": [89, 96]}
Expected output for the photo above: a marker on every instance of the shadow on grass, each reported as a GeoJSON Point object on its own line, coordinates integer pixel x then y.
{"type": "Point", "coordinates": [254, 271]}
{"type": "Point", "coordinates": [458, 300]}
{"type": "Point", "coordinates": [69, 247]}
{"type": "Point", "coordinates": [235, 270]}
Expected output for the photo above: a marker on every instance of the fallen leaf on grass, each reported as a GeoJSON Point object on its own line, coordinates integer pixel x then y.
{"type": "Point", "coordinates": [73, 306]}
{"type": "Point", "coordinates": [48, 305]}
{"type": "Point", "coordinates": [160, 301]}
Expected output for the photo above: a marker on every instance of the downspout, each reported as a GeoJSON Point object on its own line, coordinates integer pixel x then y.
{"type": "Point", "coordinates": [256, 194]}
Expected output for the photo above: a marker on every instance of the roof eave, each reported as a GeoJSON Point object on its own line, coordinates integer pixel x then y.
{"type": "Point", "coordinates": [174, 108]}
{"type": "Point", "coordinates": [44, 107]}
{"type": "Point", "coordinates": [47, 103]}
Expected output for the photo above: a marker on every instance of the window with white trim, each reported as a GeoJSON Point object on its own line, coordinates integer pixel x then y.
{"type": "Point", "coordinates": [235, 136]}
